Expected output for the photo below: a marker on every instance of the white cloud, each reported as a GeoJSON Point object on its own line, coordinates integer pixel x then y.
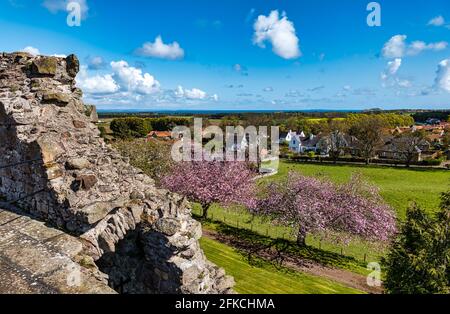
{"type": "Point", "coordinates": [396, 47]}
{"type": "Point", "coordinates": [194, 93]}
{"type": "Point", "coordinates": [97, 84]}
{"type": "Point", "coordinates": [237, 67]}
{"type": "Point", "coordinates": [393, 66]}
{"type": "Point", "coordinates": [389, 75]}
{"type": "Point", "coordinates": [437, 21]}
{"type": "Point", "coordinates": [35, 52]}
{"type": "Point", "coordinates": [279, 32]}
{"type": "Point", "coordinates": [132, 79]}
{"type": "Point", "coordinates": [128, 86]}
{"type": "Point", "coordinates": [31, 50]}
{"type": "Point", "coordinates": [443, 75]}
{"type": "Point", "coordinates": [403, 83]}
{"type": "Point", "coordinates": [347, 88]}
{"type": "Point", "coordinates": [159, 49]}
{"type": "Point", "coordinates": [418, 46]}
{"type": "Point", "coordinates": [55, 6]}
{"type": "Point", "coordinates": [95, 62]}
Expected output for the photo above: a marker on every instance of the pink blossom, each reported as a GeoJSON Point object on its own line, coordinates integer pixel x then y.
{"type": "Point", "coordinates": [208, 182]}
{"type": "Point", "coordinates": [318, 206]}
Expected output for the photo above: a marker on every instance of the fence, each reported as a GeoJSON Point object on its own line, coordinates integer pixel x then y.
{"type": "Point", "coordinates": [358, 249]}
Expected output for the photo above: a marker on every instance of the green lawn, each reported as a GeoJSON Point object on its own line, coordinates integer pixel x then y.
{"type": "Point", "coordinates": [399, 187]}
{"type": "Point", "coordinates": [311, 253]}
{"type": "Point", "coordinates": [264, 278]}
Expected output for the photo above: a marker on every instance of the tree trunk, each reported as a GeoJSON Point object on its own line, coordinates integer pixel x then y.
{"type": "Point", "coordinates": [408, 161]}
{"type": "Point", "coordinates": [205, 208]}
{"type": "Point", "coordinates": [301, 237]}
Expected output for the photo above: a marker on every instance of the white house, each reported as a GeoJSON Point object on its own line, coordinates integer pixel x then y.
{"type": "Point", "coordinates": [289, 136]}
{"type": "Point", "coordinates": [302, 144]}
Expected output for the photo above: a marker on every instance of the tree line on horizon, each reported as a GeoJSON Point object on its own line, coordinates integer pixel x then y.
{"type": "Point", "coordinates": [135, 127]}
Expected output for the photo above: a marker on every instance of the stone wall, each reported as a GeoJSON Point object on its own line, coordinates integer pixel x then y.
{"type": "Point", "coordinates": [55, 166]}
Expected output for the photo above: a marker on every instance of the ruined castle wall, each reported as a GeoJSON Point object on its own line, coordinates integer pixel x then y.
{"type": "Point", "coordinates": [54, 165]}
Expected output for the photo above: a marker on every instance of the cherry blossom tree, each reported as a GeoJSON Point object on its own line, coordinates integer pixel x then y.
{"type": "Point", "coordinates": [318, 206]}
{"type": "Point", "coordinates": [208, 182]}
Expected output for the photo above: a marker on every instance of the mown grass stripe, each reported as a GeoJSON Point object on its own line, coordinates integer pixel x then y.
{"type": "Point", "coordinates": [264, 277]}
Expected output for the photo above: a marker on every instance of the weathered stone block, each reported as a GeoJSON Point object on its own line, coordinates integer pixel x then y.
{"type": "Point", "coordinates": [72, 65]}
{"type": "Point", "coordinates": [65, 244]}
{"type": "Point", "coordinates": [95, 212]}
{"type": "Point", "coordinates": [44, 66]}
{"type": "Point", "coordinates": [137, 195]}
{"type": "Point", "coordinates": [59, 99]}
{"type": "Point", "coordinates": [51, 149]}
{"type": "Point", "coordinates": [54, 172]}
{"type": "Point", "coordinates": [167, 226]}
{"type": "Point", "coordinates": [78, 164]}
{"type": "Point", "coordinates": [79, 124]}
{"type": "Point", "coordinates": [87, 181]}
{"type": "Point", "coordinates": [91, 112]}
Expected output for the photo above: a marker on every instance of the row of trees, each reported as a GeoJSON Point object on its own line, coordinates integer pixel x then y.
{"type": "Point", "coordinates": [369, 134]}
{"type": "Point", "coordinates": [368, 130]}
{"type": "Point", "coordinates": [424, 116]}
{"type": "Point", "coordinates": [388, 120]}
{"type": "Point", "coordinates": [134, 127]}
{"type": "Point", "coordinates": [154, 158]}
{"type": "Point", "coordinates": [299, 122]}
{"type": "Point", "coordinates": [309, 205]}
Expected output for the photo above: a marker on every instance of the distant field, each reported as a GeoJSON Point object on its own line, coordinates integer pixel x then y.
{"type": "Point", "coordinates": [399, 187]}
{"type": "Point", "coordinates": [265, 278]}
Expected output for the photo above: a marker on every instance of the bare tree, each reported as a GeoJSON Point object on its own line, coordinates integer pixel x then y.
{"type": "Point", "coordinates": [334, 142]}
{"type": "Point", "coordinates": [407, 145]}
{"type": "Point", "coordinates": [369, 132]}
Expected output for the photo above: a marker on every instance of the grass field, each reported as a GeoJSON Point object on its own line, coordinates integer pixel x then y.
{"type": "Point", "coordinates": [399, 187]}
{"type": "Point", "coordinates": [264, 278]}
{"type": "Point", "coordinates": [310, 253]}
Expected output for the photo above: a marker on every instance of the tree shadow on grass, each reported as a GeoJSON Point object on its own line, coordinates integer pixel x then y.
{"type": "Point", "coordinates": [253, 246]}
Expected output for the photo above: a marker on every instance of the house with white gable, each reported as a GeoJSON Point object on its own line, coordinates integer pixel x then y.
{"type": "Point", "coordinates": [300, 143]}
{"type": "Point", "coordinates": [285, 138]}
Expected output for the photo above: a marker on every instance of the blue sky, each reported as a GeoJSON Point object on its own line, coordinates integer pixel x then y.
{"type": "Point", "coordinates": [242, 54]}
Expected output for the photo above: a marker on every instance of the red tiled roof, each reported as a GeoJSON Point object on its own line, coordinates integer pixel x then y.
{"type": "Point", "coordinates": [159, 134]}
